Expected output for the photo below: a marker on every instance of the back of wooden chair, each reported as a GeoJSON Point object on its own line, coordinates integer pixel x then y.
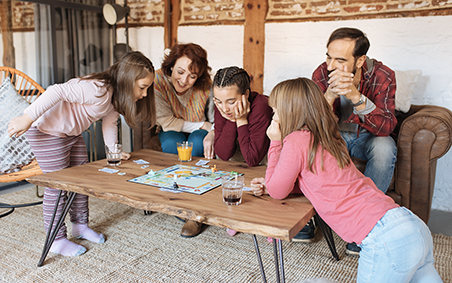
{"type": "Point", "coordinates": [30, 91]}
{"type": "Point", "coordinates": [24, 85]}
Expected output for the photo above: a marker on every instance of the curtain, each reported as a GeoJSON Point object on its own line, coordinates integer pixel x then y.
{"type": "Point", "coordinates": [82, 43]}
{"type": "Point", "coordinates": [43, 45]}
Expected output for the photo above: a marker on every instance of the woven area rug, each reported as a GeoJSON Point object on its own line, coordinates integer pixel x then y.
{"type": "Point", "coordinates": [148, 248]}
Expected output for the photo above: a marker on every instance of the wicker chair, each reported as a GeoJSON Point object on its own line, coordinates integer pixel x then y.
{"type": "Point", "coordinates": [30, 90]}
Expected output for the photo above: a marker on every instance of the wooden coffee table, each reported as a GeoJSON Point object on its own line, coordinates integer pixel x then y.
{"type": "Point", "coordinates": [279, 219]}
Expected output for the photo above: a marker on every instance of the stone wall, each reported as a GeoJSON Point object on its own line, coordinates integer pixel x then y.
{"type": "Point", "coordinates": [145, 12]}
{"type": "Point", "coordinates": [211, 12]}
{"type": "Point", "coordinates": [23, 15]}
{"type": "Point", "coordinates": [339, 9]}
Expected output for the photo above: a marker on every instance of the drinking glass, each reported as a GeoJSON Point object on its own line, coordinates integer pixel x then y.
{"type": "Point", "coordinates": [232, 189]}
{"type": "Point", "coordinates": [184, 150]}
{"type": "Point", "coordinates": [113, 154]}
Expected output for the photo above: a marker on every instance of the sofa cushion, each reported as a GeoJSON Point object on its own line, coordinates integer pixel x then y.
{"type": "Point", "coordinates": [406, 82]}
{"type": "Point", "coordinates": [16, 152]}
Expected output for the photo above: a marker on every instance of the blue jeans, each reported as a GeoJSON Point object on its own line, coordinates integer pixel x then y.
{"type": "Point", "coordinates": [169, 140]}
{"type": "Point", "coordinates": [379, 152]}
{"type": "Point", "coordinates": [398, 249]}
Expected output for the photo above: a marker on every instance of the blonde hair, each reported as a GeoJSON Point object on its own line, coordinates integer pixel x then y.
{"type": "Point", "coordinates": [300, 104]}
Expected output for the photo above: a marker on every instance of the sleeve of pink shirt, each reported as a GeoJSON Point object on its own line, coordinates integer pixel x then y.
{"type": "Point", "coordinates": [90, 93]}
{"type": "Point", "coordinates": [73, 91]}
{"type": "Point", "coordinates": [283, 168]}
{"type": "Point", "coordinates": [110, 128]}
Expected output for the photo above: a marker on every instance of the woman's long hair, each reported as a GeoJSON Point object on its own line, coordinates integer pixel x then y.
{"type": "Point", "coordinates": [121, 77]}
{"type": "Point", "coordinates": [300, 104]}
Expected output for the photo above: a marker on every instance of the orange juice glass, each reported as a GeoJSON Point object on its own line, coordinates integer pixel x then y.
{"type": "Point", "coordinates": [184, 150]}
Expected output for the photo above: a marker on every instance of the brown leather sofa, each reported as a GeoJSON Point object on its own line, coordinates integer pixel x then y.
{"type": "Point", "coordinates": [423, 135]}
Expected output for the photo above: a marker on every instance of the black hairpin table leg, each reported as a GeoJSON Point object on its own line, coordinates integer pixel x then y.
{"type": "Point", "coordinates": [326, 230]}
{"type": "Point", "coordinates": [280, 276]}
{"type": "Point", "coordinates": [259, 259]}
{"type": "Point", "coordinates": [275, 253]}
{"type": "Point", "coordinates": [279, 269]}
{"type": "Point", "coordinates": [281, 259]}
{"type": "Point", "coordinates": [51, 234]}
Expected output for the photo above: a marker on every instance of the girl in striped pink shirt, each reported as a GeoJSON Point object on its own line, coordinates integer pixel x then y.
{"type": "Point", "coordinates": [55, 121]}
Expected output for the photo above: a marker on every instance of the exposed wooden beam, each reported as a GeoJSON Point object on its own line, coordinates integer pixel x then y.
{"type": "Point", "coordinates": [175, 12]}
{"type": "Point", "coordinates": [171, 22]}
{"type": "Point", "coordinates": [9, 58]}
{"type": "Point", "coordinates": [254, 42]}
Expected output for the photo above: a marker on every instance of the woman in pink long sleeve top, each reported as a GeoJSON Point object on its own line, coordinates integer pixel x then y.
{"type": "Point", "coordinates": [307, 155]}
{"type": "Point", "coordinates": [55, 121]}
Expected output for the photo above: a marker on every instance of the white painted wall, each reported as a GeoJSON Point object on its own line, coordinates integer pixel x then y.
{"type": "Point", "coordinates": [296, 49]}
{"type": "Point", "coordinates": [148, 40]}
{"type": "Point", "coordinates": [224, 44]}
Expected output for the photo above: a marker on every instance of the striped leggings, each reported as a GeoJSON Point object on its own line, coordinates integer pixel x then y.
{"type": "Point", "coordinates": [55, 153]}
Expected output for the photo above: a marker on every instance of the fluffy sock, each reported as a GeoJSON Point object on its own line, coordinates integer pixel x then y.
{"type": "Point", "coordinates": [231, 232]}
{"type": "Point", "coordinates": [66, 248]}
{"type": "Point", "coordinates": [82, 231]}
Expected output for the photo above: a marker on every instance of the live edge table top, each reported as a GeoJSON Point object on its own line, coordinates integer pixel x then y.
{"type": "Point", "coordinates": [262, 215]}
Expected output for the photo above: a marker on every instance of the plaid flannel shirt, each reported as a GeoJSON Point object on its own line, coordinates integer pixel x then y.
{"type": "Point", "coordinates": [377, 84]}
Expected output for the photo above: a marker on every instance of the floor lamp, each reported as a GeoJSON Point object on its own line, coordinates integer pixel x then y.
{"type": "Point", "coordinates": [113, 13]}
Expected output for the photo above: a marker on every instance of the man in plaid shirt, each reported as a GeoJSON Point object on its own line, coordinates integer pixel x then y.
{"type": "Point", "coordinates": [362, 93]}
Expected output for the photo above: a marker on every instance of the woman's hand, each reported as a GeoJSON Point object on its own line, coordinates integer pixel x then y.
{"type": "Point", "coordinates": [273, 131]}
{"type": "Point", "coordinates": [241, 111]}
{"type": "Point", "coordinates": [125, 155]}
{"type": "Point", "coordinates": [258, 186]}
{"type": "Point", "coordinates": [208, 144]}
{"type": "Point", "coordinates": [19, 125]}
{"type": "Point", "coordinates": [230, 118]}
{"type": "Point", "coordinates": [206, 126]}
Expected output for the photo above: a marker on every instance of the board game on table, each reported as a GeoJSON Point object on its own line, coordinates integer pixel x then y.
{"type": "Point", "coordinates": [190, 179]}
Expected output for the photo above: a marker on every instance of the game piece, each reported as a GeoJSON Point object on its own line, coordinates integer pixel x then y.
{"type": "Point", "coordinates": [175, 186]}
{"type": "Point", "coordinates": [151, 173]}
{"type": "Point", "coordinates": [214, 169]}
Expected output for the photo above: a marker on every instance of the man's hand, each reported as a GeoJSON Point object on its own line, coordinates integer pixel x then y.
{"type": "Point", "coordinates": [19, 125]}
{"type": "Point", "coordinates": [258, 186]}
{"type": "Point", "coordinates": [273, 131]}
{"type": "Point", "coordinates": [208, 144]}
{"type": "Point", "coordinates": [341, 82]}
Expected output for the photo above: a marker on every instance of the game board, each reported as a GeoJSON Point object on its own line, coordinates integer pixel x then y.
{"type": "Point", "coordinates": [190, 179]}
